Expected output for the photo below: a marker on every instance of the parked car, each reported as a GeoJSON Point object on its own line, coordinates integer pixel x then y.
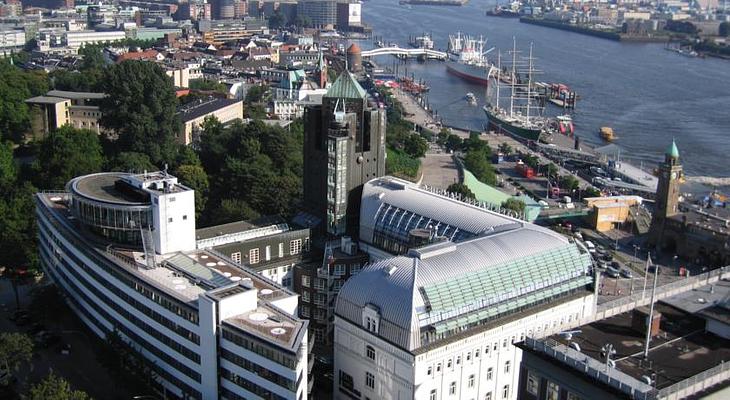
{"type": "Point", "coordinates": [626, 273]}
{"type": "Point", "coordinates": [612, 272]}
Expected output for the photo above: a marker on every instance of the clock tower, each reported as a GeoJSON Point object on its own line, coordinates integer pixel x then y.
{"type": "Point", "coordinates": [667, 194]}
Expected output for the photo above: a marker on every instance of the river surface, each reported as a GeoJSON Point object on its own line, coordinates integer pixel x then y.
{"type": "Point", "coordinates": [647, 94]}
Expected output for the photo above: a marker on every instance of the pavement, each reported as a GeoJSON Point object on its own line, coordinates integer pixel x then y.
{"type": "Point", "coordinates": [78, 364]}
{"type": "Point", "coordinates": [438, 168]}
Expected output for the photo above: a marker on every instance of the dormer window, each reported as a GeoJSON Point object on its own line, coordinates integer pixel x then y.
{"type": "Point", "coordinates": [371, 318]}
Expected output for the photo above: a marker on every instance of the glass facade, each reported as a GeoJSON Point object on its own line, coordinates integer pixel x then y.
{"type": "Point", "coordinates": [120, 224]}
{"type": "Point", "coordinates": [336, 185]}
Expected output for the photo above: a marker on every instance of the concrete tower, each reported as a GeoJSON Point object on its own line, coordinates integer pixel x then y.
{"type": "Point", "coordinates": [354, 58]}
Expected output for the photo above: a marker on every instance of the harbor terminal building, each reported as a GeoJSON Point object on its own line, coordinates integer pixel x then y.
{"type": "Point", "coordinates": [122, 249]}
{"type": "Point", "coordinates": [451, 287]}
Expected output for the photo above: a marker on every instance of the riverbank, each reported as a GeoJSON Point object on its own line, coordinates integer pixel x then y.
{"type": "Point", "coordinates": [616, 36]}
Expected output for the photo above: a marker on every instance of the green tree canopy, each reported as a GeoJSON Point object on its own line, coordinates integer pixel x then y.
{"type": "Point", "coordinates": [476, 162]}
{"type": "Point", "coordinates": [67, 153]}
{"type": "Point", "coordinates": [415, 146]}
{"type": "Point", "coordinates": [194, 177]}
{"type": "Point", "coordinates": [569, 183]}
{"type": "Point", "coordinates": [513, 204]}
{"type": "Point", "coordinates": [131, 161]}
{"type": "Point", "coordinates": [505, 148]}
{"type": "Point", "coordinates": [54, 387]}
{"type": "Point", "coordinates": [17, 231]}
{"type": "Point", "coordinates": [16, 86]}
{"type": "Point", "coordinates": [15, 350]}
{"type": "Point", "coordinates": [462, 189]}
{"type": "Point", "coordinates": [208, 84]}
{"type": "Point", "coordinates": [141, 109]}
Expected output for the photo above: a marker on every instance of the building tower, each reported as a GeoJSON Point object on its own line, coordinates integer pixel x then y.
{"type": "Point", "coordinates": [344, 147]}
{"type": "Point", "coordinates": [354, 58]}
{"type": "Point", "coordinates": [667, 195]}
{"type": "Point", "coordinates": [223, 9]}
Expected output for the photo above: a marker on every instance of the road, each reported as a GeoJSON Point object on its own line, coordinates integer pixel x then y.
{"type": "Point", "coordinates": [439, 169]}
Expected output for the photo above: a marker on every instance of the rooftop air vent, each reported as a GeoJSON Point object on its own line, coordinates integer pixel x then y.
{"type": "Point", "coordinates": [390, 270]}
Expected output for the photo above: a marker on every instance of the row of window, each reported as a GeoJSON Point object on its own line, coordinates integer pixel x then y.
{"type": "Point", "coordinates": [261, 349]}
{"type": "Point", "coordinates": [125, 313]}
{"type": "Point", "coordinates": [168, 302]}
{"type": "Point", "coordinates": [74, 293]}
{"type": "Point", "coordinates": [552, 389]}
{"type": "Point", "coordinates": [157, 317]}
{"type": "Point", "coordinates": [450, 364]}
{"type": "Point", "coordinates": [452, 392]}
{"type": "Point", "coordinates": [259, 370]}
{"type": "Point", "coordinates": [254, 255]}
{"type": "Point", "coordinates": [249, 386]}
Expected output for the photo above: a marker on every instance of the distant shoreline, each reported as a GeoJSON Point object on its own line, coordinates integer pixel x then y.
{"type": "Point", "coordinates": [615, 36]}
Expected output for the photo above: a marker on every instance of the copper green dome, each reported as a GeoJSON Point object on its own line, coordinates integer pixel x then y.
{"type": "Point", "coordinates": [673, 151]}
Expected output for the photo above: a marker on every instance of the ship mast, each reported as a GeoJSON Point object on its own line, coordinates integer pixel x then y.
{"type": "Point", "coordinates": [499, 75]}
{"type": "Point", "coordinates": [529, 83]}
{"type": "Point", "coordinates": [513, 78]}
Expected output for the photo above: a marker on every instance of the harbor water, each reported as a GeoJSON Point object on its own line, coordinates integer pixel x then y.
{"type": "Point", "coordinates": [646, 94]}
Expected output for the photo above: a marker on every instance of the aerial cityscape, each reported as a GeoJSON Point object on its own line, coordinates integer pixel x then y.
{"type": "Point", "coordinates": [364, 199]}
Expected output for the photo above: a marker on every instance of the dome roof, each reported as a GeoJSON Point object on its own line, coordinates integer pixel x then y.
{"type": "Point", "coordinates": [673, 151]}
{"type": "Point", "coordinates": [354, 49]}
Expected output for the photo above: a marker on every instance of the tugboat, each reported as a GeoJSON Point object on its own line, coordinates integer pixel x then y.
{"type": "Point", "coordinates": [471, 99]}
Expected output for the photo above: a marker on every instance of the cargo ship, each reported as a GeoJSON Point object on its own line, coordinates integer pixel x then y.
{"type": "Point", "coordinates": [434, 2]}
{"type": "Point", "coordinates": [520, 119]}
{"type": "Point", "coordinates": [467, 59]}
{"type": "Point", "coordinates": [503, 11]}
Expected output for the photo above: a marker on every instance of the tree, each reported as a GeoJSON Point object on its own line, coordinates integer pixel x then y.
{"type": "Point", "coordinates": [415, 146]}
{"type": "Point", "coordinates": [256, 93]}
{"type": "Point", "coordinates": [277, 20]}
{"type": "Point", "coordinates": [303, 21]}
{"type": "Point", "coordinates": [15, 87]}
{"type": "Point", "coordinates": [453, 142]}
{"type": "Point", "coordinates": [194, 177]}
{"type": "Point", "coordinates": [476, 163]}
{"type": "Point", "coordinates": [15, 350]}
{"type": "Point", "coordinates": [141, 109]}
{"type": "Point", "coordinates": [569, 183]}
{"type": "Point", "coordinates": [474, 143]}
{"type": "Point", "coordinates": [505, 149]}
{"type": "Point", "coordinates": [67, 153]}
{"type": "Point", "coordinates": [131, 161]}
{"type": "Point", "coordinates": [461, 189]}
{"type": "Point", "coordinates": [513, 204]}
{"type": "Point", "coordinates": [208, 84]}
{"type": "Point", "coordinates": [591, 192]}
{"type": "Point", "coordinates": [552, 170]}
{"type": "Point", "coordinates": [230, 210]}
{"type": "Point", "coordinates": [54, 387]}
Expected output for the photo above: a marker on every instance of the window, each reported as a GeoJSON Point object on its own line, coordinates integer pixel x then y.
{"type": "Point", "coordinates": [452, 388]}
{"type": "Point", "coordinates": [169, 219]}
{"type": "Point", "coordinates": [305, 280]}
{"type": "Point", "coordinates": [305, 312]}
{"type": "Point", "coordinates": [573, 396]}
{"type": "Point", "coordinates": [281, 250]}
{"type": "Point", "coordinates": [340, 269]}
{"type": "Point", "coordinates": [253, 256]}
{"type": "Point", "coordinates": [236, 257]}
{"type": "Point", "coordinates": [430, 371]}
{"type": "Point", "coordinates": [471, 381]}
{"type": "Point", "coordinates": [448, 363]}
{"type": "Point", "coordinates": [295, 246]}
{"type": "Point", "coordinates": [505, 392]}
{"type": "Point", "coordinates": [458, 360]}
{"type": "Point", "coordinates": [553, 391]}
{"type": "Point", "coordinates": [488, 396]}
{"type": "Point", "coordinates": [532, 383]}
{"type": "Point", "coordinates": [370, 352]}
{"type": "Point", "coordinates": [468, 356]}
{"type": "Point", "coordinates": [369, 380]}
{"type": "Point", "coordinates": [185, 217]}
{"type": "Point", "coordinates": [354, 269]}
{"type": "Point", "coordinates": [305, 296]}
{"type": "Point", "coordinates": [432, 396]}
{"type": "Point", "coordinates": [268, 253]}
{"type": "Point", "coordinates": [438, 367]}
{"type": "Point", "coordinates": [476, 353]}
{"type": "Point", "coordinates": [506, 367]}
{"type": "Point", "coordinates": [504, 343]}
{"type": "Point", "coordinates": [286, 282]}
{"type": "Point", "coordinates": [490, 373]}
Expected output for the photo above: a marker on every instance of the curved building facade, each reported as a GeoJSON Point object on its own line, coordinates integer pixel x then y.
{"type": "Point", "coordinates": [438, 320]}
{"type": "Point", "coordinates": [209, 327]}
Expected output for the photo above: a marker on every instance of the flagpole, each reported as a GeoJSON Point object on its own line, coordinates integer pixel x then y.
{"type": "Point", "coordinates": [651, 317]}
{"type": "Point", "coordinates": [646, 273]}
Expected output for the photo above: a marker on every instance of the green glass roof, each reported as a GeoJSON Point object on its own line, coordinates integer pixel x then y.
{"type": "Point", "coordinates": [346, 87]}
{"type": "Point", "coordinates": [537, 274]}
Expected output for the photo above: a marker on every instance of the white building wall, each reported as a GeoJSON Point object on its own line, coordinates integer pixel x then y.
{"type": "Point", "coordinates": [400, 375]}
{"type": "Point", "coordinates": [174, 221]}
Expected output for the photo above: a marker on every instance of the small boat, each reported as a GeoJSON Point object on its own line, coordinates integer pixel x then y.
{"type": "Point", "coordinates": [471, 98]}
{"type": "Point", "coordinates": [606, 134]}
{"type": "Point", "coordinates": [564, 125]}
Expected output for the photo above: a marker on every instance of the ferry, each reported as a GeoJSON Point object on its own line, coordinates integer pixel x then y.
{"type": "Point", "coordinates": [467, 59]}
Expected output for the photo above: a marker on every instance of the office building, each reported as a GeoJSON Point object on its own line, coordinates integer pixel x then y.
{"type": "Point", "coordinates": [60, 107]}
{"type": "Point", "coordinates": [79, 39]}
{"type": "Point", "coordinates": [11, 39]}
{"type": "Point", "coordinates": [268, 246]}
{"type": "Point", "coordinates": [47, 114]}
{"type": "Point", "coordinates": [438, 321]}
{"type": "Point", "coordinates": [223, 9]}
{"type": "Point", "coordinates": [606, 359]}
{"type": "Point", "coordinates": [122, 248]}
{"type": "Point", "coordinates": [344, 147]}
{"type": "Point", "coordinates": [321, 13]}
{"type": "Point", "coordinates": [194, 114]}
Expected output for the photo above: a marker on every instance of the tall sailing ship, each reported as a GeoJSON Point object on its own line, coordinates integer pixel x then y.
{"type": "Point", "coordinates": [520, 117]}
{"type": "Point", "coordinates": [468, 59]}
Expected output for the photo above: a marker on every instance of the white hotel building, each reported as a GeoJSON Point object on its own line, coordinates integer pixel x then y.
{"type": "Point", "coordinates": [122, 249]}
{"type": "Point", "coordinates": [438, 321]}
